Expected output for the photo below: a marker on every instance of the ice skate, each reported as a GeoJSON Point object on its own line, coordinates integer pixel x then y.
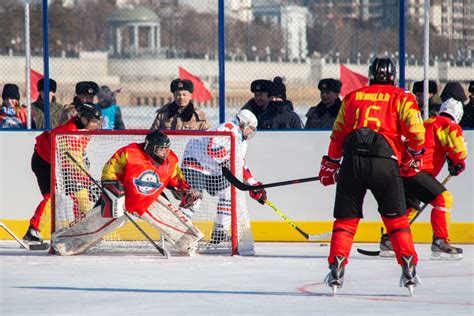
{"type": "Point", "coordinates": [32, 236]}
{"type": "Point", "coordinates": [335, 277]}
{"type": "Point", "coordinates": [409, 278]}
{"type": "Point", "coordinates": [386, 248]}
{"type": "Point", "coordinates": [441, 249]}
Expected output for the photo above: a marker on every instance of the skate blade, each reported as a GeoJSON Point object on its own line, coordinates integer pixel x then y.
{"type": "Point", "coordinates": [445, 256]}
{"type": "Point", "coordinates": [411, 289]}
{"type": "Point", "coordinates": [387, 253]}
{"type": "Point", "coordinates": [334, 289]}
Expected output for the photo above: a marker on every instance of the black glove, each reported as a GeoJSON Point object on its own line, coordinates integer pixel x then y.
{"type": "Point", "coordinates": [455, 169]}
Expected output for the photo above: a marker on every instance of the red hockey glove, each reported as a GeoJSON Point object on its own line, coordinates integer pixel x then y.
{"type": "Point", "coordinates": [411, 160]}
{"type": "Point", "coordinates": [259, 195]}
{"type": "Point", "coordinates": [328, 170]}
{"type": "Point", "coordinates": [455, 169]}
{"type": "Point", "coordinates": [190, 198]}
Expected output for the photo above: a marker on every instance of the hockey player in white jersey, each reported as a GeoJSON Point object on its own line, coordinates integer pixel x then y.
{"type": "Point", "coordinates": [202, 167]}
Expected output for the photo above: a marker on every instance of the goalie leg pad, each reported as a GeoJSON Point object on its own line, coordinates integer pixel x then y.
{"type": "Point", "coordinates": [174, 225]}
{"type": "Point", "coordinates": [84, 233]}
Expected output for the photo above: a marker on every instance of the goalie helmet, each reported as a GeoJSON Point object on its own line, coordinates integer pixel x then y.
{"type": "Point", "coordinates": [87, 112]}
{"type": "Point", "coordinates": [246, 120]}
{"type": "Point", "coordinates": [453, 108]}
{"type": "Point", "coordinates": [382, 71]}
{"type": "Point", "coordinates": [154, 142]}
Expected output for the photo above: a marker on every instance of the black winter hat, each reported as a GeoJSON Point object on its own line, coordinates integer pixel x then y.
{"type": "Point", "coordinates": [418, 87]}
{"type": "Point", "coordinates": [278, 88]}
{"type": "Point", "coordinates": [11, 91]}
{"type": "Point", "coordinates": [181, 84]}
{"type": "Point", "coordinates": [453, 90]}
{"type": "Point", "coordinates": [330, 84]}
{"type": "Point", "coordinates": [87, 88]}
{"type": "Point", "coordinates": [261, 85]}
{"type": "Point", "coordinates": [471, 87]}
{"type": "Point", "coordinates": [52, 85]}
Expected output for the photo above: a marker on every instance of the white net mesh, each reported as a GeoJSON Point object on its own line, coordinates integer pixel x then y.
{"type": "Point", "coordinates": [76, 194]}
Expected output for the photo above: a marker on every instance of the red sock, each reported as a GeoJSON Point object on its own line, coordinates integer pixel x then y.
{"type": "Point", "coordinates": [400, 236]}
{"type": "Point", "coordinates": [439, 223]}
{"type": "Point", "coordinates": [342, 237]}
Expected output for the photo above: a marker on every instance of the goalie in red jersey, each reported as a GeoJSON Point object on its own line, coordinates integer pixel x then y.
{"type": "Point", "coordinates": [132, 181]}
{"type": "Point", "coordinates": [89, 117]}
{"type": "Point", "coordinates": [368, 133]}
{"type": "Point", "coordinates": [444, 143]}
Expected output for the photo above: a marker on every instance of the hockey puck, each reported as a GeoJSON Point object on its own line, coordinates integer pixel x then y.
{"type": "Point", "coordinates": [323, 245]}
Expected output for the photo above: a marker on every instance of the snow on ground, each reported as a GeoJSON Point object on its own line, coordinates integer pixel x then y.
{"type": "Point", "coordinates": [281, 279]}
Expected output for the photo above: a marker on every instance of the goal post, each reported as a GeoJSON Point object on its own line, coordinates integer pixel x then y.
{"type": "Point", "coordinates": [73, 194]}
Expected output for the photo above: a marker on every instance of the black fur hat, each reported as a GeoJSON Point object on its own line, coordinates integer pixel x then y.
{"type": "Point", "coordinates": [52, 85]}
{"type": "Point", "coordinates": [453, 90]}
{"type": "Point", "coordinates": [418, 87]}
{"type": "Point", "coordinates": [11, 91]}
{"type": "Point", "coordinates": [87, 88]}
{"type": "Point", "coordinates": [181, 84]}
{"type": "Point", "coordinates": [330, 84]}
{"type": "Point", "coordinates": [261, 85]}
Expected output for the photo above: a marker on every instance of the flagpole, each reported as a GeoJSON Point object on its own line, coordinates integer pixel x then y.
{"type": "Point", "coordinates": [401, 44]}
{"type": "Point", "coordinates": [46, 65]}
{"type": "Point", "coordinates": [28, 64]}
{"type": "Point", "coordinates": [221, 53]}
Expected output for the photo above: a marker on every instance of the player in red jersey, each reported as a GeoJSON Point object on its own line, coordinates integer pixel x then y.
{"type": "Point", "coordinates": [89, 118]}
{"type": "Point", "coordinates": [368, 133]}
{"type": "Point", "coordinates": [132, 181]}
{"type": "Point", "coordinates": [444, 141]}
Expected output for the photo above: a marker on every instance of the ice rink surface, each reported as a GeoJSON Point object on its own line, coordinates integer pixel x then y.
{"type": "Point", "coordinates": [281, 279]}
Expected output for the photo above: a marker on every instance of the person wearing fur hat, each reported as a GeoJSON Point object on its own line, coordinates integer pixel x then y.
{"type": "Point", "coordinates": [325, 112]}
{"type": "Point", "coordinates": [85, 93]}
{"type": "Point", "coordinates": [12, 113]}
{"type": "Point", "coordinates": [261, 89]}
{"type": "Point", "coordinates": [434, 101]}
{"type": "Point", "coordinates": [55, 108]}
{"type": "Point", "coordinates": [112, 115]}
{"type": "Point", "coordinates": [279, 114]}
{"type": "Point", "coordinates": [181, 114]}
{"type": "Point", "coordinates": [468, 118]}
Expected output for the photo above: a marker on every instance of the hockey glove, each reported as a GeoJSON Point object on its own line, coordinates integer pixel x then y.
{"type": "Point", "coordinates": [455, 169]}
{"type": "Point", "coordinates": [259, 195]}
{"type": "Point", "coordinates": [411, 160]}
{"type": "Point", "coordinates": [112, 199]}
{"type": "Point", "coordinates": [190, 198]}
{"type": "Point", "coordinates": [328, 171]}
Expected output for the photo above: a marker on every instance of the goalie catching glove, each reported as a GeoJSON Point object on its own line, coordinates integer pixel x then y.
{"type": "Point", "coordinates": [328, 171]}
{"type": "Point", "coordinates": [259, 195]}
{"type": "Point", "coordinates": [112, 199]}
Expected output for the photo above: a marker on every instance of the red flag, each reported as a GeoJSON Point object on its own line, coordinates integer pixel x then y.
{"type": "Point", "coordinates": [351, 80]}
{"type": "Point", "coordinates": [34, 78]}
{"type": "Point", "coordinates": [201, 93]}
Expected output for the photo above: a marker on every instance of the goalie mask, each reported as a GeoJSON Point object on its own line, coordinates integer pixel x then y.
{"type": "Point", "coordinates": [89, 116]}
{"type": "Point", "coordinates": [382, 71]}
{"type": "Point", "coordinates": [453, 108]}
{"type": "Point", "coordinates": [157, 146]}
{"type": "Point", "coordinates": [248, 123]}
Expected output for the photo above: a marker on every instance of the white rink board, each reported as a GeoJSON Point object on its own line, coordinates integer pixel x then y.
{"type": "Point", "coordinates": [272, 156]}
{"type": "Point", "coordinates": [282, 279]}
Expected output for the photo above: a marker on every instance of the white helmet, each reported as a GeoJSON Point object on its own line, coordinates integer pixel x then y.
{"type": "Point", "coordinates": [452, 107]}
{"type": "Point", "coordinates": [247, 118]}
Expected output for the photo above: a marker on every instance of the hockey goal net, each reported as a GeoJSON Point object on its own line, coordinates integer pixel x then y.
{"type": "Point", "coordinates": [73, 194]}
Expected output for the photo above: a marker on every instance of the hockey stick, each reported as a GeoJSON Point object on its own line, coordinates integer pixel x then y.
{"type": "Point", "coordinates": [418, 213]}
{"type": "Point", "coordinates": [246, 187]}
{"type": "Point", "coordinates": [304, 234]}
{"type": "Point", "coordinates": [160, 249]}
{"type": "Point", "coordinates": [41, 246]}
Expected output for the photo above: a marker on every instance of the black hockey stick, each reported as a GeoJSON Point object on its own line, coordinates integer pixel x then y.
{"type": "Point", "coordinates": [418, 213]}
{"type": "Point", "coordinates": [247, 187]}
{"type": "Point", "coordinates": [160, 249]}
{"type": "Point", "coordinates": [304, 234]}
{"type": "Point", "coordinates": [25, 245]}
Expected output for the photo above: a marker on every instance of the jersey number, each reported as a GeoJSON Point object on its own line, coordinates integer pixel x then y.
{"type": "Point", "coordinates": [373, 121]}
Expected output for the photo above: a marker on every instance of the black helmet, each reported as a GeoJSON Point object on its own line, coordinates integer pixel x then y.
{"type": "Point", "coordinates": [154, 141]}
{"type": "Point", "coordinates": [382, 71]}
{"type": "Point", "coordinates": [89, 111]}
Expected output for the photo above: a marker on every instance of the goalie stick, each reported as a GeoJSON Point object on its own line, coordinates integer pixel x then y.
{"type": "Point", "coordinates": [164, 252]}
{"type": "Point", "coordinates": [376, 253]}
{"type": "Point", "coordinates": [247, 187]}
{"type": "Point", "coordinates": [40, 246]}
{"type": "Point", "coordinates": [304, 234]}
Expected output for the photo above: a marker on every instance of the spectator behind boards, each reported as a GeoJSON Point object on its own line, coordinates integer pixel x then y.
{"type": "Point", "coordinates": [325, 112]}
{"type": "Point", "coordinates": [261, 97]}
{"type": "Point", "coordinates": [12, 114]}
{"type": "Point", "coordinates": [181, 113]}
{"type": "Point", "coordinates": [85, 92]}
{"type": "Point", "coordinates": [279, 114]}
{"type": "Point", "coordinates": [55, 108]}
{"type": "Point", "coordinates": [112, 115]}
{"type": "Point", "coordinates": [434, 101]}
{"type": "Point", "coordinates": [468, 118]}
